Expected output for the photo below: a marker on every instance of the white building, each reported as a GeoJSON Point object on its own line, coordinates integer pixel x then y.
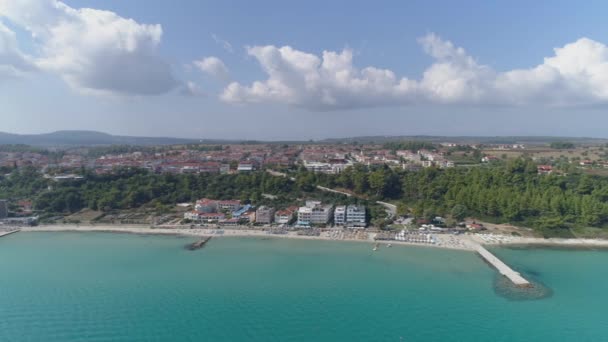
{"type": "Point", "coordinates": [340, 215]}
{"type": "Point", "coordinates": [314, 213]}
{"type": "Point", "coordinates": [245, 167]}
{"type": "Point", "coordinates": [355, 216]}
{"type": "Point", "coordinates": [284, 216]}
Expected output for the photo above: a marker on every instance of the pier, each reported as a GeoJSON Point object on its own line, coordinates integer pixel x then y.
{"type": "Point", "coordinates": [502, 268]}
{"type": "Point", "coordinates": [5, 233]}
{"type": "Point", "coordinates": [198, 244]}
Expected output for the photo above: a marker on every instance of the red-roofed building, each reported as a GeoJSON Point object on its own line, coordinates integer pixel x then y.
{"type": "Point", "coordinates": [544, 169]}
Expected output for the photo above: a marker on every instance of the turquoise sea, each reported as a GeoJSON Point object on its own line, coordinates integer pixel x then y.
{"type": "Point", "coordinates": [118, 287]}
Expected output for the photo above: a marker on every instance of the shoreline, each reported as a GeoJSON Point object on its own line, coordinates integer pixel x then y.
{"type": "Point", "coordinates": [460, 242]}
{"type": "Point", "coordinates": [227, 232]}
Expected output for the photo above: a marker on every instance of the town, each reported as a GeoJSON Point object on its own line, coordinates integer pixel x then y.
{"type": "Point", "coordinates": [302, 186]}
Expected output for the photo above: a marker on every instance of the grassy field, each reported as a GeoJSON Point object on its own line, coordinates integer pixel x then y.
{"type": "Point", "coordinates": [591, 153]}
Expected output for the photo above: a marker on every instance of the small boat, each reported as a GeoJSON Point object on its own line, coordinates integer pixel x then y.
{"type": "Point", "coordinates": [376, 247]}
{"type": "Point", "coordinates": [389, 245]}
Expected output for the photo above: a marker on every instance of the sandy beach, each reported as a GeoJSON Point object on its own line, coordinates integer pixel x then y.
{"type": "Point", "coordinates": [443, 241]}
{"type": "Point", "coordinates": [497, 239]}
{"type": "Point", "coordinates": [467, 242]}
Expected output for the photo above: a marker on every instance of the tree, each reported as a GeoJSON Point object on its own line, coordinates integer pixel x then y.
{"type": "Point", "coordinates": [459, 212]}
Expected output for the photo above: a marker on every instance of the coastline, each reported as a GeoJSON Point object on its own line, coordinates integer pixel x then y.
{"type": "Point", "coordinates": [460, 242]}
{"type": "Point", "coordinates": [503, 240]}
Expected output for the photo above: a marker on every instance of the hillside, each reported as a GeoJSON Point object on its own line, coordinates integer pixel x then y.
{"type": "Point", "coordinates": [85, 138]}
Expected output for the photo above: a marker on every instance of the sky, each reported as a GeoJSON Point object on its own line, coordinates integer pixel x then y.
{"type": "Point", "coordinates": [284, 70]}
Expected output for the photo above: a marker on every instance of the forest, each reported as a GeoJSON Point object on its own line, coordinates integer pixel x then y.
{"type": "Point", "coordinates": [509, 192]}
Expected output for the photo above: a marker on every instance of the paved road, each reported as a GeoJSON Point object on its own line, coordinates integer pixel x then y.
{"type": "Point", "coordinates": [391, 209]}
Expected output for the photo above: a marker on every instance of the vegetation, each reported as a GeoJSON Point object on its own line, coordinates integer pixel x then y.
{"type": "Point", "coordinates": [134, 188]}
{"type": "Point", "coordinates": [562, 145]}
{"type": "Point", "coordinates": [410, 145]}
{"type": "Point", "coordinates": [510, 191]}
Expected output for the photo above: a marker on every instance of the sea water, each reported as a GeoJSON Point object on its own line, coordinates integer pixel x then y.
{"type": "Point", "coordinates": [119, 287]}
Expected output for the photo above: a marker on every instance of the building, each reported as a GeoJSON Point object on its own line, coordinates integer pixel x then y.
{"type": "Point", "coordinates": [340, 215]}
{"type": "Point", "coordinates": [3, 209]}
{"type": "Point", "coordinates": [206, 205]}
{"type": "Point", "coordinates": [196, 216]}
{"type": "Point", "coordinates": [545, 169]}
{"type": "Point", "coordinates": [264, 215]}
{"type": "Point", "coordinates": [245, 167]}
{"type": "Point", "coordinates": [284, 216]}
{"type": "Point", "coordinates": [355, 216]}
{"type": "Point", "coordinates": [314, 213]}
{"type": "Point", "coordinates": [229, 205]}
{"type": "Point", "coordinates": [241, 211]}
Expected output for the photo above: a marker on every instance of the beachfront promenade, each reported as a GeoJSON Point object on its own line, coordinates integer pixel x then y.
{"type": "Point", "coordinates": [502, 268]}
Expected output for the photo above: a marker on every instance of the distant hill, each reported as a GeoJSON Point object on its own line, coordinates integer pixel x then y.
{"type": "Point", "coordinates": [94, 138]}
{"type": "Point", "coordinates": [529, 140]}
{"type": "Point", "coordinates": [86, 138]}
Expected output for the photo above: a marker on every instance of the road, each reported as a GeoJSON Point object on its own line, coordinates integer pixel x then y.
{"type": "Point", "coordinates": [391, 209]}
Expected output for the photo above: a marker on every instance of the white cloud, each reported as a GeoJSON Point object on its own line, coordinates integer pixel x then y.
{"type": "Point", "coordinates": [214, 67]}
{"type": "Point", "coordinates": [223, 43]}
{"type": "Point", "coordinates": [94, 51]}
{"type": "Point", "coordinates": [577, 74]}
{"type": "Point", "coordinates": [13, 62]}
{"type": "Point", "coordinates": [191, 89]}
{"type": "Point", "coordinates": [331, 81]}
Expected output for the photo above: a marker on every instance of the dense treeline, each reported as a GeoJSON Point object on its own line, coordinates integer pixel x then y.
{"type": "Point", "coordinates": [507, 192]}
{"type": "Point", "coordinates": [562, 145]}
{"type": "Point", "coordinates": [512, 192]}
{"type": "Point", "coordinates": [21, 183]}
{"type": "Point", "coordinates": [134, 188]}
{"type": "Point", "coordinates": [409, 145]}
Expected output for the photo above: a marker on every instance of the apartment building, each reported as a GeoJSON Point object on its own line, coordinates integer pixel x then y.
{"type": "Point", "coordinates": [314, 213]}
{"type": "Point", "coordinates": [340, 215]}
{"type": "Point", "coordinates": [355, 216]}
{"type": "Point", "coordinates": [264, 215]}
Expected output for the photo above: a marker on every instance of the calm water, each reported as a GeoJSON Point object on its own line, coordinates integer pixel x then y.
{"type": "Point", "coordinates": [111, 287]}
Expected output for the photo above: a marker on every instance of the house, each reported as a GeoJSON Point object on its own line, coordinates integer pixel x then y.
{"type": "Point", "coordinates": [284, 216]}
{"type": "Point", "coordinates": [475, 226]}
{"type": "Point", "coordinates": [544, 169]}
{"type": "Point", "coordinates": [264, 215]}
{"type": "Point", "coordinates": [25, 206]}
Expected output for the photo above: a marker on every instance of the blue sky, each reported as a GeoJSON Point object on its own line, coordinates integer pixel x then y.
{"type": "Point", "coordinates": [257, 70]}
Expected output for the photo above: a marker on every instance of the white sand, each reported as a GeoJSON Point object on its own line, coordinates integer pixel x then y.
{"type": "Point", "coordinates": [497, 239]}
{"type": "Point", "coordinates": [461, 242]}
{"type": "Point", "coordinates": [451, 242]}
